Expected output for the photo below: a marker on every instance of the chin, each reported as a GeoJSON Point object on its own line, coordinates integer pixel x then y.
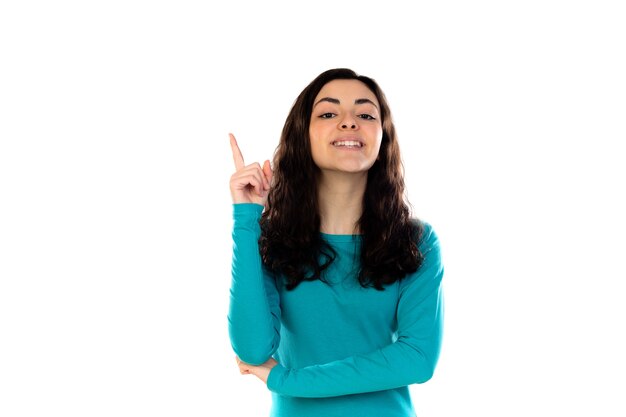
{"type": "Point", "coordinates": [352, 170]}
{"type": "Point", "coordinates": [348, 167]}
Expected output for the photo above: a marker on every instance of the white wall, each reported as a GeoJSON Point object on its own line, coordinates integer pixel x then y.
{"type": "Point", "coordinates": [115, 211]}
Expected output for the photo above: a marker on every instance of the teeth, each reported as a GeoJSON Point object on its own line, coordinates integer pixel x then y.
{"type": "Point", "coordinates": [352, 143]}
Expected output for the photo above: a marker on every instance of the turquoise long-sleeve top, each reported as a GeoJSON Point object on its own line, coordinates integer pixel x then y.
{"type": "Point", "coordinates": [343, 350]}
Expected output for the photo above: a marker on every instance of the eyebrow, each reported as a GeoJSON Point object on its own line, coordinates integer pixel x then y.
{"type": "Point", "coordinates": [336, 101]}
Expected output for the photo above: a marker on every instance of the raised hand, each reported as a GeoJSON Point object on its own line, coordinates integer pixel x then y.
{"type": "Point", "coordinates": [251, 183]}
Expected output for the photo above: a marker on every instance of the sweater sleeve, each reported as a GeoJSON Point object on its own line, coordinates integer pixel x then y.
{"type": "Point", "coordinates": [254, 312]}
{"type": "Point", "coordinates": [410, 359]}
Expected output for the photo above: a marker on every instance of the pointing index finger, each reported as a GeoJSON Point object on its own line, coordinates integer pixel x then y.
{"type": "Point", "coordinates": [237, 156]}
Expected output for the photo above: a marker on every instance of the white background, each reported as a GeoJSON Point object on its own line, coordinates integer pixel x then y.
{"type": "Point", "coordinates": [115, 210]}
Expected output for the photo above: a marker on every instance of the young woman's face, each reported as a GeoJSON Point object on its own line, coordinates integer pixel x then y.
{"type": "Point", "coordinates": [345, 128]}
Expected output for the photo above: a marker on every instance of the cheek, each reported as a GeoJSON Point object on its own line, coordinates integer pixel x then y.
{"type": "Point", "coordinates": [316, 130]}
{"type": "Point", "coordinates": [378, 135]}
{"type": "Point", "coordinates": [378, 144]}
{"type": "Point", "coordinates": [316, 140]}
{"type": "Point", "coordinates": [314, 146]}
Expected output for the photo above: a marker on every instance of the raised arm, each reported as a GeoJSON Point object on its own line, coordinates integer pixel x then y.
{"type": "Point", "coordinates": [254, 312]}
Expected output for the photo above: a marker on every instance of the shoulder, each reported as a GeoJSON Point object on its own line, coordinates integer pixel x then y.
{"type": "Point", "coordinates": [430, 272]}
{"type": "Point", "coordinates": [426, 237]}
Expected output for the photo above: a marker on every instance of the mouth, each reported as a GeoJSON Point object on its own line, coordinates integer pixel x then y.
{"type": "Point", "coordinates": [354, 143]}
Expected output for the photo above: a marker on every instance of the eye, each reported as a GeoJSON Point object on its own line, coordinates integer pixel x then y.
{"type": "Point", "coordinates": [366, 117]}
{"type": "Point", "coordinates": [327, 115]}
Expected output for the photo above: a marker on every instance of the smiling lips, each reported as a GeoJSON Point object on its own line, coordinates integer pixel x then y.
{"type": "Point", "coordinates": [348, 143]}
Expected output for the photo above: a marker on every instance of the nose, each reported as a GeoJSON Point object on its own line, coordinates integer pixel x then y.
{"type": "Point", "coordinates": [348, 123]}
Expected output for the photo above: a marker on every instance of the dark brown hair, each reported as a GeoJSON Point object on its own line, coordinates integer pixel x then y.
{"type": "Point", "coordinates": [291, 244]}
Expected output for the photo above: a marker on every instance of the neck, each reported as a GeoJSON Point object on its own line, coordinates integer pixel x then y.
{"type": "Point", "coordinates": [340, 198]}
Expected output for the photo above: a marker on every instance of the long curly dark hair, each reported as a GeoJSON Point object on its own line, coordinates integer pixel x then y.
{"type": "Point", "coordinates": [291, 244]}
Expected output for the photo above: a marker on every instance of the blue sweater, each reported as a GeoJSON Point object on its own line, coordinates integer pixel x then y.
{"type": "Point", "coordinates": [342, 350]}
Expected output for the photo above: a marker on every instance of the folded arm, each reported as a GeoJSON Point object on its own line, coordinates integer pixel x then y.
{"type": "Point", "coordinates": [410, 359]}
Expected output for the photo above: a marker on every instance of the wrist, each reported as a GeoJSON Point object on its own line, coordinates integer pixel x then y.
{"type": "Point", "coordinates": [246, 210]}
{"type": "Point", "coordinates": [276, 377]}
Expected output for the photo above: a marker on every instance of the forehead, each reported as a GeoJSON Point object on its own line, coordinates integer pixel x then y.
{"type": "Point", "coordinates": [346, 90]}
